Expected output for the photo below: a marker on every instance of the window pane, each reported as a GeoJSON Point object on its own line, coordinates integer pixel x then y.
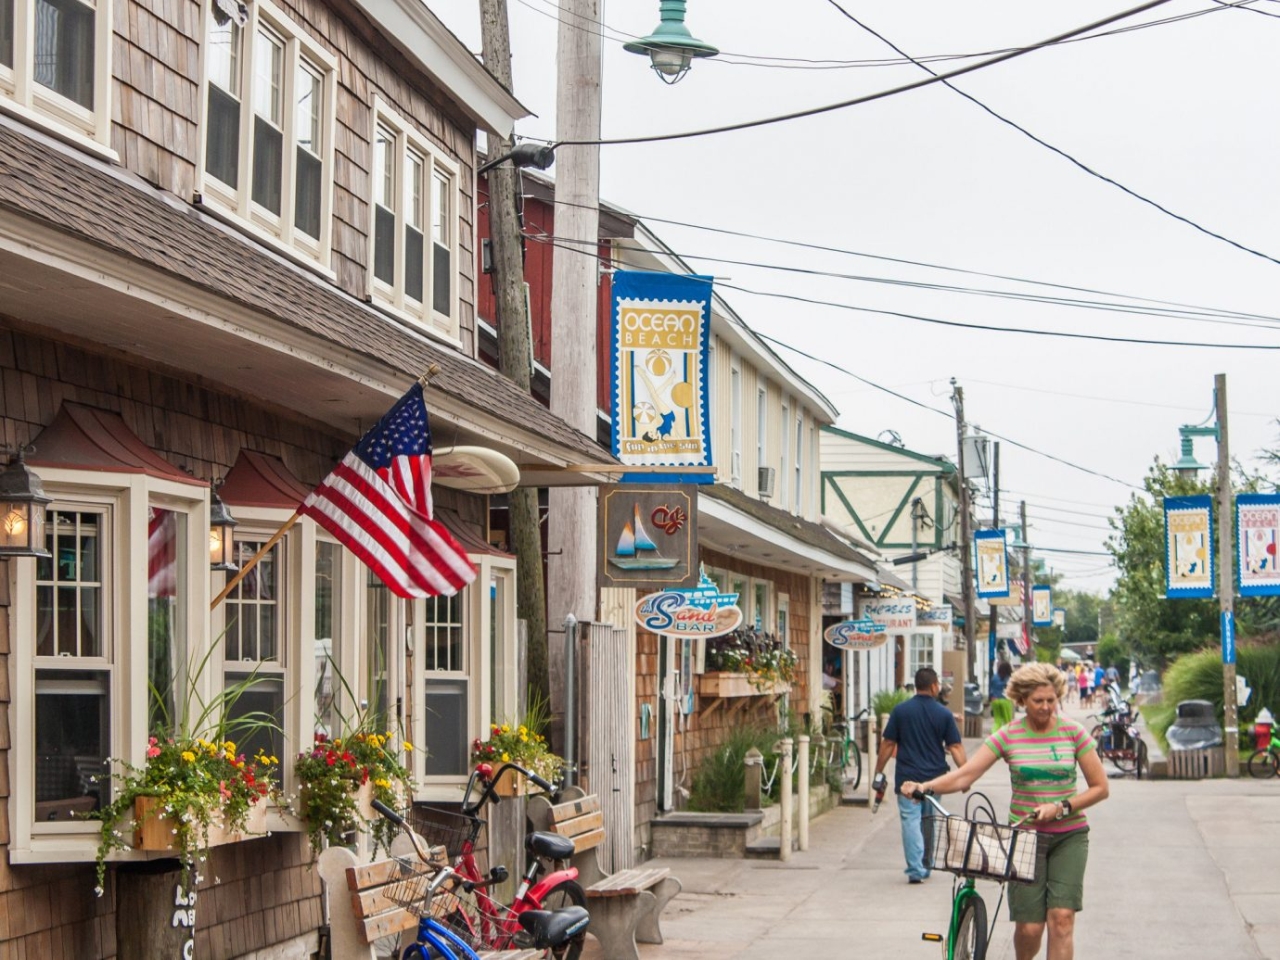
{"type": "Point", "coordinates": [258, 706]}
{"type": "Point", "coordinates": [73, 736]}
{"type": "Point", "coordinates": [328, 653]}
{"type": "Point", "coordinates": [442, 275]}
{"type": "Point", "coordinates": [222, 149]}
{"type": "Point", "coordinates": [223, 54]}
{"type": "Point", "coordinates": [6, 33]}
{"type": "Point", "coordinates": [384, 244]}
{"type": "Point", "coordinates": [413, 266]}
{"type": "Point", "coordinates": [268, 163]}
{"type": "Point", "coordinates": [447, 726]}
{"type": "Point", "coordinates": [252, 607]}
{"type": "Point", "coordinates": [64, 49]}
{"type": "Point", "coordinates": [384, 168]}
{"type": "Point", "coordinates": [166, 602]}
{"type": "Point", "coordinates": [377, 635]}
{"type": "Point", "coordinates": [306, 214]}
{"type": "Point", "coordinates": [268, 55]}
{"type": "Point", "coordinates": [69, 600]}
{"type": "Point", "coordinates": [307, 109]}
{"type": "Point", "coordinates": [441, 209]}
{"type": "Point", "coordinates": [415, 169]}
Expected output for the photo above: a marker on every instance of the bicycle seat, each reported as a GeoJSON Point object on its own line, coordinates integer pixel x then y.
{"type": "Point", "coordinates": [549, 846]}
{"type": "Point", "coordinates": [551, 928]}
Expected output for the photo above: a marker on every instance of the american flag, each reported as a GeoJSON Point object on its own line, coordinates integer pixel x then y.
{"type": "Point", "coordinates": [377, 501]}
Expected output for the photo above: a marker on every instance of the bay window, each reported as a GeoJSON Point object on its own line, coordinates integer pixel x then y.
{"type": "Point", "coordinates": [268, 122]}
{"type": "Point", "coordinates": [413, 234]}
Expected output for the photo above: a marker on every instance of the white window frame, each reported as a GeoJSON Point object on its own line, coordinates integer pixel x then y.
{"type": "Point", "coordinates": [237, 202]}
{"type": "Point", "coordinates": [126, 497]}
{"type": "Point", "coordinates": [392, 296]}
{"type": "Point", "coordinates": [797, 494]}
{"type": "Point", "coordinates": [735, 421]}
{"type": "Point", "coordinates": [762, 431]}
{"type": "Point", "coordinates": [478, 631]}
{"type": "Point", "coordinates": [784, 474]}
{"type": "Point", "coordinates": [21, 96]}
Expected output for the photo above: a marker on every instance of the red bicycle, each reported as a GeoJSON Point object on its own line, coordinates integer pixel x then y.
{"type": "Point", "coordinates": [484, 923]}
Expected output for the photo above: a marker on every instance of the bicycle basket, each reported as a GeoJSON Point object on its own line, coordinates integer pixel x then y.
{"type": "Point", "coordinates": [409, 887]}
{"type": "Point", "coordinates": [979, 848]}
{"type": "Point", "coordinates": [444, 828]}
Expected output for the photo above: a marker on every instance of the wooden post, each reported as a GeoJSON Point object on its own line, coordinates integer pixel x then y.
{"type": "Point", "coordinates": [803, 765]}
{"type": "Point", "coordinates": [155, 913]}
{"type": "Point", "coordinates": [784, 798]}
{"type": "Point", "coordinates": [754, 773]}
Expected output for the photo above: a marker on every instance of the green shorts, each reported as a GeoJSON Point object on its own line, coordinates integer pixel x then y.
{"type": "Point", "coordinates": [1059, 882]}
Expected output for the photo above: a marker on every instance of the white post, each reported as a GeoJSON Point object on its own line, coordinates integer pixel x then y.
{"type": "Point", "coordinates": [804, 791]}
{"type": "Point", "coordinates": [784, 776]}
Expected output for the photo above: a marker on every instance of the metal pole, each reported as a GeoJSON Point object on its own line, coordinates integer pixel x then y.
{"type": "Point", "coordinates": [1226, 588]}
{"type": "Point", "coordinates": [1026, 577]}
{"type": "Point", "coordinates": [995, 522]}
{"type": "Point", "coordinates": [784, 777]}
{"type": "Point", "coordinates": [915, 547]}
{"type": "Point", "coordinates": [803, 740]}
{"type": "Point", "coordinates": [957, 399]}
{"type": "Point", "coordinates": [570, 696]}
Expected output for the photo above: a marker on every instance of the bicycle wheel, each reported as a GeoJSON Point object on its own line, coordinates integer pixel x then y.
{"type": "Point", "coordinates": [566, 893]}
{"type": "Point", "coordinates": [1264, 764]}
{"type": "Point", "coordinates": [1142, 766]}
{"type": "Point", "coordinates": [971, 931]}
{"type": "Point", "coordinates": [853, 765]}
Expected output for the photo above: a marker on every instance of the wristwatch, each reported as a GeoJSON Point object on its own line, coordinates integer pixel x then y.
{"type": "Point", "coordinates": [1066, 809]}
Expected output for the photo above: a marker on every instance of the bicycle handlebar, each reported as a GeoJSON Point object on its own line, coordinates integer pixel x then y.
{"type": "Point", "coordinates": [419, 845]}
{"type": "Point", "coordinates": [487, 794]}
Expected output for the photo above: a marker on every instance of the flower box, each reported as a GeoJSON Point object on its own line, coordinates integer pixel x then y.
{"type": "Point", "coordinates": [725, 684]}
{"type": "Point", "coordinates": [513, 784]}
{"type": "Point", "coordinates": [155, 831]}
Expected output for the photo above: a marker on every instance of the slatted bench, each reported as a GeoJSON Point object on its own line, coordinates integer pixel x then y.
{"type": "Point", "coordinates": [360, 912]}
{"type": "Point", "coordinates": [625, 906]}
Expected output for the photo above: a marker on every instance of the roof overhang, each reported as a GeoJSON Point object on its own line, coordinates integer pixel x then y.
{"type": "Point", "coordinates": [422, 37]}
{"type": "Point", "coordinates": [725, 528]}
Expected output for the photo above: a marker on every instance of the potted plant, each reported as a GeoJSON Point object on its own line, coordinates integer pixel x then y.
{"type": "Point", "coordinates": [758, 656]}
{"type": "Point", "coordinates": [339, 778]}
{"type": "Point", "coordinates": [522, 743]}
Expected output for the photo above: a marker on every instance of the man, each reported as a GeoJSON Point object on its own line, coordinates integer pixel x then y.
{"type": "Point", "coordinates": [919, 730]}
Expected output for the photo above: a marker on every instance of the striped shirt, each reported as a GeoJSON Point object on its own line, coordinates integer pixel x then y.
{"type": "Point", "coordinates": [1042, 767]}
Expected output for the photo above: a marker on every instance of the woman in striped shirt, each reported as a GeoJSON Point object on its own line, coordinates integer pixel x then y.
{"type": "Point", "coordinates": [1042, 750]}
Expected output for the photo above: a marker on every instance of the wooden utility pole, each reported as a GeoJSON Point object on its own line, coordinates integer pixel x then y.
{"type": "Point", "coordinates": [514, 349]}
{"type": "Point", "coordinates": [1027, 580]}
{"type": "Point", "coordinates": [1226, 586]}
{"type": "Point", "coordinates": [966, 532]}
{"type": "Point", "coordinates": [995, 523]}
{"type": "Point", "coordinates": [571, 564]}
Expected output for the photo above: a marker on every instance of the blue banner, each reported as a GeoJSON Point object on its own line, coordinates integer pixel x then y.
{"type": "Point", "coordinates": [1042, 606]}
{"type": "Point", "coordinates": [1257, 539]}
{"type": "Point", "coordinates": [660, 341]}
{"type": "Point", "coordinates": [991, 564]}
{"type": "Point", "coordinates": [1188, 545]}
{"type": "Point", "coordinates": [1228, 637]}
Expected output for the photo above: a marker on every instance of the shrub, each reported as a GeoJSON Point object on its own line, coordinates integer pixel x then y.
{"type": "Point", "coordinates": [720, 781]}
{"type": "Point", "coordinates": [1198, 676]}
{"type": "Point", "coordinates": [884, 701]}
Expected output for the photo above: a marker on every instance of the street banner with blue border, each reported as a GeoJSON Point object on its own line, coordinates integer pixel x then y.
{"type": "Point", "coordinates": [1041, 606]}
{"type": "Point", "coordinates": [992, 564]}
{"type": "Point", "coordinates": [1228, 637]}
{"type": "Point", "coordinates": [1188, 546]}
{"type": "Point", "coordinates": [660, 336]}
{"type": "Point", "coordinates": [1257, 540]}
{"type": "Point", "coordinates": [1059, 616]}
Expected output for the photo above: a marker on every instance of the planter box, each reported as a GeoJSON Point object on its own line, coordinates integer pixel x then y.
{"type": "Point", "coordinates": [154, 831]}
{"type": "Point", "coordinates": [725, 684]}
{"type": "Point", "coordinates": [512, 784]}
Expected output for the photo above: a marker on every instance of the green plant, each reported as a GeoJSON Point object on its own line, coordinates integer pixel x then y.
{"type": "Point", "coordinates": [1198, 676]}
{"type": "Point", "coordinates": [518, 743]}
{"type": "Point", "coordinates": [761, 656]}
{"type": "Point", "coordinates": [719, 784]}
{"type": "Point", "coordinates": [195, 774]}
{"type": "Point", "coordinates": [884, 701]}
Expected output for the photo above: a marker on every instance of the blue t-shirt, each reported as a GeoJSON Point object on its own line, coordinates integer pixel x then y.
{"type": "Point", "coordinates": [921, 728]}
{"type": "Point", "coordinates": [1098, 674]}
{"type": "Point", "coordinates": [998, 683]}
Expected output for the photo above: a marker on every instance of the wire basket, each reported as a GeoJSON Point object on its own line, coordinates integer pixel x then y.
{"type": "Point", "coordinates": [444, 828]}
{"type": "Point", "coordinates": [410, 888]}
{"type": "Point", "coordinates": [980, 848]}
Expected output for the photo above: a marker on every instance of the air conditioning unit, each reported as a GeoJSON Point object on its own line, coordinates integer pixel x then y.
{"type": "Point", "coordinates": [767, 481]}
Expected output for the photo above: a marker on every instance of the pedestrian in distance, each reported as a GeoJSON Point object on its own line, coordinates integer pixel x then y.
{"type": "Point", "coordinates": [922, 731]}
{"type": "Point", "coordinates": [1001, 705]}
{"type": "Point", "coordinates": [1042, 750]}
{"type": "Point", "coordinates": [1082, 681]}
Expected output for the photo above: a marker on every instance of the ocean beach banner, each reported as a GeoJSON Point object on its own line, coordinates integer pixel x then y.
{"type": "Point", "coordinates": [1188, 546]}
{"type": "Point", "coordinates": [1257, 538]}
{"type": "Point", "coordinates": [658, 351]}
{"type": "Point", "coordinates": [992, 564]}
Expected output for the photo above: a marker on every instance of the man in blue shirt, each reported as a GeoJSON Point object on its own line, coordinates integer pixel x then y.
{"type": "Point", "coordinates": [919, 730]}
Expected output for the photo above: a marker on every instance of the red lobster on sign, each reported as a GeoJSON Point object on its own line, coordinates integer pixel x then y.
{"type": "Point", "coordinates": [667, 519]}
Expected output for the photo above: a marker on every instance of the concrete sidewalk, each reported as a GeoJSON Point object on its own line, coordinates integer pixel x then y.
{"type": "Point", "coordinates": [1178, 869]}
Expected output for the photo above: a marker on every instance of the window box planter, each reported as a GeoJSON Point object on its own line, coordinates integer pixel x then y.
{"type": "Point", "coordinates": [154, 831]}
{"type": "Point", "coordinates": [724, 684]}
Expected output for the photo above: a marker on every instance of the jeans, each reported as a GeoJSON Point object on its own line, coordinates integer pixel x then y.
{"type": "Point", "coordinates": [914, 842]}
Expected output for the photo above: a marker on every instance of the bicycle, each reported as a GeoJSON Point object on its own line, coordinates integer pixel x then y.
{"type": "Point", "coordinates": [843, 753]}
{"type": "Point", "coordinates": [1118, 740]}
{"type": "Point", "coordinates": [482, 921]}
{"type": "Point", "coordinates": [974, 849]}
{"type": "Point", "coordinates": [1265, 761]}
{"type": "Point", "coordinates": [559, 932]}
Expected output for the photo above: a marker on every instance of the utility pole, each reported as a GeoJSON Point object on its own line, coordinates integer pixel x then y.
{"type": "Point", "coordinates": [966, 534]}
{"type": "Point", "coordinates": [1026, 578]}
{"type": "Point", "coordinates": [1226, 588]}
{"type": "Point", "coordinates": [514, 349]}
{"type": "Point", "coordinates": [571, 567]}
{"type": "Point", "coordinates": [995, 523]}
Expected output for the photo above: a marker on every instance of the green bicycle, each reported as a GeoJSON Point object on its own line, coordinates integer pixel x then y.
{"type": "Point", "coordinates": [974, 847]}
{"type": "Point", "coordinates": [842, 750]}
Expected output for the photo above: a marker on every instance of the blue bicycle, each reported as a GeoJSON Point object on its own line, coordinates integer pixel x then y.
{"type": "Point", "coordinates": [560, 933]}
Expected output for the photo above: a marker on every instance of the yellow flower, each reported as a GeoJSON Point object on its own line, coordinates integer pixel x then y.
{"type": "Point", "coordinates": [275, 759]}
{"type": "Point", "coordinates": [523, 729]}
{"type": "Point", "coordinates": [382, 782]}
{"type": "Point", "coordinates": [524, 738]}
{"type": "Point", "coordinates": [229, 746]}
{"type": "Point", "coordinates": [188, 756]}
{"type": "Point", "coordinates": [506, 758]}
{"type": "Point", "coordinates": [506, 728]}
{"type": "Point", "coordinates": [408, 746]}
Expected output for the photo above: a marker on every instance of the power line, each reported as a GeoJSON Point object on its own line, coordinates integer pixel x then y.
{"type": "Point", "coordinates": [1058, 150]}
{"type": "Point", "coordinates": [870, 97]}
{"type": "Point", "coordinates": [1136, 403]}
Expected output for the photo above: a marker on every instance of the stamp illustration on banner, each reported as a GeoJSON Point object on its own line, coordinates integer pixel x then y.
{"type": "Point", "coordinates": [992, 563]}
{"type": "Point", "coordinates": [1042, 606]}
{"type": "Point", "coordinates": [1188, 546]}
{"type": "Point", "coordinates": [701, 612]}
{"type": "Point", "coordinates": [1257, 537]}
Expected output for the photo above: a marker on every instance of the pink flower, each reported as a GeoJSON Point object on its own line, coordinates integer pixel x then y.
{"type": "Point", "coordinates": [153, 751]}
{"type": "Point", "coordinates": [152, 741]}
{"type": "Point", "coordinates": [222, 789]}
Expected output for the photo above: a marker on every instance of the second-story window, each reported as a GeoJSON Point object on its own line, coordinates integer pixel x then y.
{"type": "Point", "coordinates": [762, 427]}
{"type": "Point", "coordinates": [735, 422]}
{"type": "Point", "coordinates": [414, 231]}
{"type": "Point", "coordinates": [798, 493]}
{"type": "Point", "coordinates": [54, 61]}
{"type": "Point", "coordinates": [784, 475]}
{"type": "Point", "coordinates": [268, 123]}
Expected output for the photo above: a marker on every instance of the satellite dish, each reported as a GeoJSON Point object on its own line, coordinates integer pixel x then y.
{"type": "Point", "coordinates": [475, 470]}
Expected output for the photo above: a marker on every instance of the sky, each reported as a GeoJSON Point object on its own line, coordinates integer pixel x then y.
{"type": "Point", "coordinates": [1182, 113]}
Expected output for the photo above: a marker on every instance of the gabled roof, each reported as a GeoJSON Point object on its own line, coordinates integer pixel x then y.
{"type": "Point", "coordinates": [257, 480]}
{"type": "Point", "coordinates": [86, 438]}
{"type": "Point", "coordinates": [943, 465]}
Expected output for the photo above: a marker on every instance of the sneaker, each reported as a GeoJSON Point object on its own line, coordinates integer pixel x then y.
{"type": "Point", "coordinates": [915, 880]}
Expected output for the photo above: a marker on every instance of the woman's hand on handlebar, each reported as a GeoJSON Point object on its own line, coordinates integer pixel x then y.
{"type": "Point", "coordinates": [916, 791]}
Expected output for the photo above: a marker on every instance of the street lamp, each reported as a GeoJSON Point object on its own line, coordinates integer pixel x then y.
{"type": "Point", "coordinates": [22, 509]}
{"type": "Point", "coordinates": [1188, 466]}
{"type": "Point", "coordinates": [671, 48]}
{"type": "Point", "coordinates": [221, 523]}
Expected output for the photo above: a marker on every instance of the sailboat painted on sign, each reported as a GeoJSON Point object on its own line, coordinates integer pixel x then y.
{"type": "Point", "coordinates": [636, 550]}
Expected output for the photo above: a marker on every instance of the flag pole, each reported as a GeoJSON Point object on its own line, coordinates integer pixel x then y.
{"type": "Point", "coordinates": [276, 537]}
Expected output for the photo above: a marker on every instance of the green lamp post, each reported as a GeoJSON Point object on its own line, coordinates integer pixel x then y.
{"type": "Point", "coordinates": [1188, 466]}
{"type": "Point", "coordinates": [671, 48]}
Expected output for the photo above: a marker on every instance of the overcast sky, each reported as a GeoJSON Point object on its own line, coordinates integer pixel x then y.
{"type": "Point", "coordinates": [1183, 113]}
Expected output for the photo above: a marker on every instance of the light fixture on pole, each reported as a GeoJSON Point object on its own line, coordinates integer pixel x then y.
{"type": "Point", "coordinates": [671, 48]}
{"type": "Point", "coordinates": [221, 540]}
{"type": "Point", "coordinates": [1188, 466]}
{"type": "Point", "coordinates": [22, 508]}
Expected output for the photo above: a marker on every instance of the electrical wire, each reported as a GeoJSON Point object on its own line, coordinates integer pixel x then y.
{"type": "Point", "coordinates": [1058, 150]}
{"type": "Point", "coordinates": [1136, 403]}
{"type": "Point", "coordinates": [871, 97]}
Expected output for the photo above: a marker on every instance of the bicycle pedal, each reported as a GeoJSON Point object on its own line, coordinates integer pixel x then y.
{"type": "Point", "coordinates": [932, 937]}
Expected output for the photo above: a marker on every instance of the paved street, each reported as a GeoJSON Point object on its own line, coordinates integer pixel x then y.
{"type": "Point", "coordinates": [1176, 869]}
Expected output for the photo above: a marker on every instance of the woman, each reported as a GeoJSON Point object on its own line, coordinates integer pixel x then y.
{"type": "Point", "coordinates": [1082, 679]}
{"type": "Point", "coordinates": [1001, 705]}
{"type": "Point", "coordinates": [1042, 749]}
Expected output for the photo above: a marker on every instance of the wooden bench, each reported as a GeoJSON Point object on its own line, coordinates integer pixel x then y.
{"type": "Point", "coordinates": [625, 906]}
{"type": "Point", "coordinates": [360, 912]}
